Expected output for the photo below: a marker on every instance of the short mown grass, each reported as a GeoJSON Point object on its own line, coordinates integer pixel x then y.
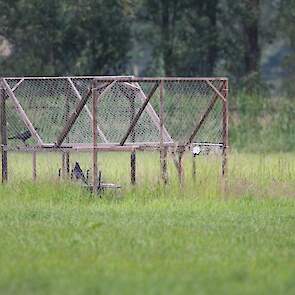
{"type": "Point", "coordinates": [58, 239]}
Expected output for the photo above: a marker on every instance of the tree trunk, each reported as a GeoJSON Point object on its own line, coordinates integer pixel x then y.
{"type": "Point", "coordinates": [251, 31]}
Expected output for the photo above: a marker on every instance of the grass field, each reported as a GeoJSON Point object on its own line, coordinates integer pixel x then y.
{"type": "Point", "coordinates": [57, 239]}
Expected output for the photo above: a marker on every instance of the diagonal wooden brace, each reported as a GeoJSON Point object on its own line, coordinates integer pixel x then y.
{"type": "Point", "coordinates": [22, 113]}
{"type": "Point", "coordinates": [76, 113]}
{"type": "Point", "coordinates": [155, 118]}
{"type": "Point", "coordinates": [101, 134]}
{"type": "Point", "coordinates": [137, 116]}
{"type": "Point", "coordinates": [204, 117]}
{"type": "Point", "coordinates": [218, 92]}
{"type": "Point", "coordinates": [150, 110]}
{"type": "Point", "coordinates": [17, 84]}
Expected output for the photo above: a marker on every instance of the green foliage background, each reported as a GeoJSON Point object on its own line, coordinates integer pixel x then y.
{"type": "Point", "coordinates": [169, 38]}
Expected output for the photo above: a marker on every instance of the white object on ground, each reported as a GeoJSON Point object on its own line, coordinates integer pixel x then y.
{"type": "Point", "coordinates": [196, 150]}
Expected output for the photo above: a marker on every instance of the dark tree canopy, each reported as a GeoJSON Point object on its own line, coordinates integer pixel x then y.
{"type": "Point", "coordinates": [146, 37]}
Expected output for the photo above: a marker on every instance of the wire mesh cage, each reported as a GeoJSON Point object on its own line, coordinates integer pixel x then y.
{"type": "Point", "coordinates": [49, 103]}
{"type": "Point", "coordinates": [113, 113]}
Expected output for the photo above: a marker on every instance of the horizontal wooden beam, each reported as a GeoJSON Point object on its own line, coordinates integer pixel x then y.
{"type": "Point", "coordinates": [125, 78]}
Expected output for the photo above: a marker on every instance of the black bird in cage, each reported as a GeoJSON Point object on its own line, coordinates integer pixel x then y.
{"type": "Point", "coordinates": [78, 174]}
{"type": "Point", "coordinates": [23, 136]}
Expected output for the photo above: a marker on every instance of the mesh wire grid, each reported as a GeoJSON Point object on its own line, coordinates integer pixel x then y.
{"type": "Point", "coordinates": [48, 103]}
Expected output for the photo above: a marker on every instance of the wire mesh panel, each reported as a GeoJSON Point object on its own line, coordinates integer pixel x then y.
{"type": "Point", "coordinates": [185, 103]}
{"type": "Point", "coordinates": [126, 107]}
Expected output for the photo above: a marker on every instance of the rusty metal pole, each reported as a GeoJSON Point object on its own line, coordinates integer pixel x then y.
{"type": "Point", "coordinates": [224, 168]}
{"type": "Point", "coordinates": [94, 135]}
{"type": "Point", "coordinates": [3, 127]}
{"type": "Point", "coordinates": [163, 150]}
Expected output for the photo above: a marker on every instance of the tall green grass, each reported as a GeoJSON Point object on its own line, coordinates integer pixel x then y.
{"type": "Point", "coordinates": [149, 239]}
{"type": "Point", "coordinates": [261, 123]}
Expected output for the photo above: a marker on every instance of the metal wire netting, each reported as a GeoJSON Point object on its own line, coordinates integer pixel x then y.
{"type": "Point", "coordinates": [48, 103]}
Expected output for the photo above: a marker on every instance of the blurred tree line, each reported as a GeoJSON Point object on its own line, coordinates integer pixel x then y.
{"type": "Point", "coordinates": [148, 37]}
{"type": "Point", "coordinates": [164, 37]}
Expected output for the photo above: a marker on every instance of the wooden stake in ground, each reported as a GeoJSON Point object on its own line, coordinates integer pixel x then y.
{"type": "Point", "coordinates": [180, 167]}
{"type": "Point", "coordinates": [34, 164]}
{"type": "Point", "coordinates": [133, 167]}
{"type": "Point", "coordinates": [194, 168]}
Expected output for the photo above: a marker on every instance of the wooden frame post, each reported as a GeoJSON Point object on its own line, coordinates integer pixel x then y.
{"type": "Point", "coordinates": [94, 136]}
{"type": "Point", "coordinates": [225, 132]}
{"type": "Point", "coordinates": [67, 139]}
{"type": "Point", "coordinates": [3, 130]}
{"type": "Point", "coordinates": [180, 167]}
{"type": "Point", "coordinates": [34, 164]}
{"type": "Point", "coordinates": [133, 153]}
{"type": "Point", "coordinates": [63, 166]}
{"type": "Point", "coordinates": [133, 167]}
{"type": "Point", "coordinates": [194, 169]}
{"type": "Point", "coordinates": [163, 150]}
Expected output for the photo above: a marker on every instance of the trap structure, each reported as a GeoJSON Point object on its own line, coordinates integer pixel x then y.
{"type": "Point", "coordinates": [113, 113]}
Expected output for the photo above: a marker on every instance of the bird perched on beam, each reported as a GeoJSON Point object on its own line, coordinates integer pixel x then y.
{"type": "Point", "coordinates": [23, 136]}
{"type": "Point", "coordinates": [78, 174]}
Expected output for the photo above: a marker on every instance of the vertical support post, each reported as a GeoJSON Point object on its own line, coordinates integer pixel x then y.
{"type": "Point", "coordinates": [163, 150]}
{"type": "Point", "coordinates": [224, 167]}
{"type": "Point", "coordinates": [194, 169]}
{"type": "Point", "coordinates": [67, 153]}
{"type": "Point", "coordinates": [225, 130]}
{"type": "Point", "coordinates": [180, 167]}
{"type": "Point", "coordinates": [63, 166]}
{"type": "Point", "coordinates": [133, 153]}
{"type": "Point", "coordinates": [94, 135]}
{"type": "Point", "coordinates": [164, 173]}
{"type": "Point", "coordinates": [133, 167]}
{"type": "Point", "coordinates": [34, 162]}
{"type": "Point", "coordinates": [3, 130]}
